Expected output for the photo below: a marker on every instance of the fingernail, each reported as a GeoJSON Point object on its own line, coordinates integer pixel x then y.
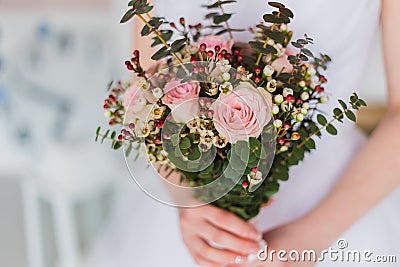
{"type": "Point", "coordinates": [255, 235]}
{"type": "Point", "coordinates": [260, 238]}
{"type": "Point", "coordinates": [251, 258]}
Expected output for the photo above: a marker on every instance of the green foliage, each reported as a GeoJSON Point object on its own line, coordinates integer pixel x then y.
{"type": "Point", "coordinates": [264, 49]}
{"type": "Point", "coordinates": [138, 7]}
{"type": "Point", "coordinates": [108, 135]}
{"type": "Point", "coordinates": [321, 119]}
{"type": "Point", "coordinates": [219, 18]}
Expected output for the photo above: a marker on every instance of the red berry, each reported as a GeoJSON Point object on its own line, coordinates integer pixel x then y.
{"type": "Point", "coordinates": [120, 138]}
{"type": "Point", "coordinates": [111, 122]}
{"type": "Point", "coordinates": [236, 51]}
{"type": "Point", "coordinates": [217, 48]}
{"type": "Point", "coordinates": [245, 184]}
{"type": "Point", "coordinates": [224, 52]}
{"type": "Point", "coordinates": [220, 56]}
{"type": "Point", "coordinates": [290, 98]}
{"type": "Point", "coordinates": [228, 56]}
{"type": "Point", "coordinates": [322, 79]}
{"type": "Point", "coordinates": [132, 126]}
{"type": "Point", "coordinates": [286, 126]}
{"type": "Point", "coordinates": [112, 98]}
{"type": "Point", "coordinates": [136, 53]}
{"type": "Point", "coordinates": [157, 140]}
{"type": "Point", "coordinates": [257, 79]}
{"type": "Point", "coordinates": [203, 47]}
{"type": "Point", "coordinates": [182, 21]}
{"type": "Point", "coordinates": [257, 70]}
{"type": "Point", "coordinates": [240, 58]}
{"type": "Point", "coordinates": [106, 106]}
{"type": "Point", "coordinates": [159, 124]}
{"type": "Point", "coordinates": [281, 141]}
{"type": "Point", "coordinates": [210, 53]}
{"type": "Point", "coordinates": [172, 24]}
{"type": "Point", "coordinates": [166, 136]}
{"type": "Point", "coordinates": [319, 89]}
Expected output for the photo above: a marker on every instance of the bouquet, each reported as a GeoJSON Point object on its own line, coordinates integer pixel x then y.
{"type": "Point", "coordinates": [230, 118]}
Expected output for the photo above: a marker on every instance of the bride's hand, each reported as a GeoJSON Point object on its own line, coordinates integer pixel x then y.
{"type": "Point", "coordinates": [293, 236]}
{"type": "Point", "coordinates": [207, 224]}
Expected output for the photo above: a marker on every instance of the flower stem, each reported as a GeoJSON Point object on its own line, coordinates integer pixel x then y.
{"type": "Point", "coordinates": [265, 46]}
{"type": "Point", "coordinates": [228, 27]}
{"type": "Point", "coordinates": [159, 36]}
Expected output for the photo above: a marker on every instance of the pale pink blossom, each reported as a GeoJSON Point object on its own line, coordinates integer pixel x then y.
{"type": "Point", "coordinates": [243, 113]}
{"type": "Point", "coordinates": [182, 99]}
{"type": "Point", "coordinates": [213, 40]}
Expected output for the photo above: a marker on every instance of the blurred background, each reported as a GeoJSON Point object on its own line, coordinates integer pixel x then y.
{"type": "Point", "coordinates": [57, 187]}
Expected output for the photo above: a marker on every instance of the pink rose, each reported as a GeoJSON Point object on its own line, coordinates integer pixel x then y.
{"type": "Point", "coordinates": [213, 40]}
{"type": "Point", "coordinates": [138, 104]}
{"type": "Point", "coordinates": [283, 62]}
{"type": "Point", "coordinates": [243, 113]}
{"type": "Point", "coordinates": [134, 101]}
{"type": "Point", "coordinates": [182, 99]}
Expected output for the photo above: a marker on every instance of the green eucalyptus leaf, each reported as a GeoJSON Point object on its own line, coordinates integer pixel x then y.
{"type": "Point", "coordinates": [175, 139]}
{"type": "Point", "coordinates": [259, 46]}
{"type": "Point", "coordinates": [128, 15]}
{"type": "Point", "coordinates": [163, 52]}
{"type": "Point", "coordinates": [297, 45]}
{"type": "Point", "coordinates": [275, 35]}
{"type": "Point", "coordinates": [218, 4]}
{"type": "Point", "coordinates": [303, 57]}
{"type": "Point", "coordinates": [144, 10]}
{"type": "Point", "coordinates": [97, 133]}
{"type": "Point", "coordinates": [343, 104]}
{"type": "Point", "coordinates": [287, 12]}
{"type": "Point", "coordinates": [105, 136]}
{"type": "Point", "coordinates": [211, 15]}
{"type": "Point", "coordinates": [310, 144]}
{"type": "Point", "coordinates": [321, 119]}
{"type": "Point", "coordinates": [276, 19]}
{"type": "Point", "coordinates": [195, 154]}
{"type": "Point", "coordinates": [117, 145]}
{"type": "Point", "coordinates": [283, 176]}
{"type": "Point", "coordinates": [338, 113]}
{"type": "Point", "coordinates": [218, 19]}
{"type": "Point", "coordinates": [276, 4]}
{"type": "Point", "coordinates": [351, 116]}
{"type": "Point", "coordinates": [178, 45]}
{"type": "Point", "coordinates": [362, 102]}
{"type": "Point", "coordinates": [132, 2]}
{"type": "Point", "coordinates": [331, 129]}
{"type": "Point", "coordinates": [307, 52]}
{"type": "Point", "coordinates": [166, 35]}
{"type": "Point", "coordinates": [185, 143]}
{"type": "Point", "coordinates": [145, 30]}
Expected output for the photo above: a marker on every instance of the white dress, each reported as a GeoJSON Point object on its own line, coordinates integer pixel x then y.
{"type": "Point", "coordinates": [145, 233]}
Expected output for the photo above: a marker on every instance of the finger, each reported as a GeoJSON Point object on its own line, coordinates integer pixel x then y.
{"type": "Point", "coordinates": [227, 240]}
{"type": "Point", "coordinates": [231, 223]}
{"type": "Point", "coordinates": [201, 261]}
{"type": "Point", "coordinates": [222, 257]}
